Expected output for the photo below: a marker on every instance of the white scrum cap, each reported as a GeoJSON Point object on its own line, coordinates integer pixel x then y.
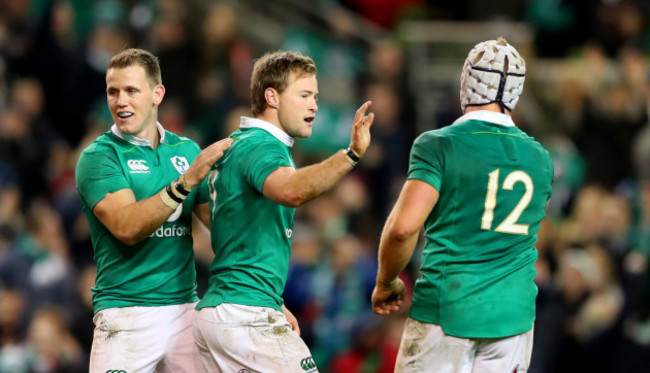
{"type": "Point", "coordinates": [493, 72]}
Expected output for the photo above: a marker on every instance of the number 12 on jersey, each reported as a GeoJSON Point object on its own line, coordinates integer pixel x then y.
{"type": "Point", "coordinates": [509, 224]}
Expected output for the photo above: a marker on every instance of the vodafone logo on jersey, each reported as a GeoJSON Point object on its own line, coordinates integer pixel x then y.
{"type": "Point", "coordinates": [138, 166]}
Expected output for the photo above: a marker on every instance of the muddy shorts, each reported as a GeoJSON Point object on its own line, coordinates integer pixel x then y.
{"type": "Point", "coordinates": [426, 348]}
{"type": "Point", "coordinates": [247, 339]}
{"type": "Point", "coordinates": [144, 339]}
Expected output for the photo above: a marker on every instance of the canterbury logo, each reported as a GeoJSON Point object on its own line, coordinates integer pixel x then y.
{"type": "Point", "coordinates": [307, 364]}
{"type": "Point", "coordinates": [138, 166]}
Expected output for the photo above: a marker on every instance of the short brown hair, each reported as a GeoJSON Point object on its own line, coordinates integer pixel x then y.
{"type": "Point", "coordinates": [273, 71]}
{"type": "Point", "coordinates": [140, 57]}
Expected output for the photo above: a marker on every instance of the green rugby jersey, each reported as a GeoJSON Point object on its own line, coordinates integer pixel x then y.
{"type": "Point", "coordinates": [251, 235]}
{"type": "Point", "coordinates": [158, 270]}
{"type": "Point", "coordinates": [476, 277]}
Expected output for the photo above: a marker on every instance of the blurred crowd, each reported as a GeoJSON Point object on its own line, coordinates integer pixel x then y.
{"type": "Point", "coordinates": [591, 113]}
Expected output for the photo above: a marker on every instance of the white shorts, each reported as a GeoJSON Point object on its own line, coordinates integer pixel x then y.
{"type": "Point", "coordinates": [426, 348]}
{"type": "Point", "coordinates": [144, 339]}
{"type": "Point", "coordinates": [247, 339]}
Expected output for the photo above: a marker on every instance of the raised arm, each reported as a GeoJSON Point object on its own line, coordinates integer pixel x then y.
{"type": "Point", "coordinates": [132, 221]}
{"type": "Point", "coordinates": [290, 187]}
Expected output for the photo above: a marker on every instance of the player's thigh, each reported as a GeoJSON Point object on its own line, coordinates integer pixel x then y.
{"type": "Point", "coordinates": [258, 339]}
{"type": "Point", "coordinates": [181, 355]}
{"type": "Point", "coordinates": [127, 339]}
{"type": "Point", "coordinates": [207, 358]}
{"type": "Point", "coordinates": [426, 348]}
{"type": "Point", "coordinates": [511, 354]}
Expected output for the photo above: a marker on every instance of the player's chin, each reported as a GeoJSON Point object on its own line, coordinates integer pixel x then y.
{"type": "Point", "coordinates": [305, 132]}
{"type": "Point", "coordinates": [124, 127]}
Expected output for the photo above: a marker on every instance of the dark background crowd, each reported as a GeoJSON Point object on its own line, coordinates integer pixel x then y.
{"type": "Point", "coordinates": [586, 100]}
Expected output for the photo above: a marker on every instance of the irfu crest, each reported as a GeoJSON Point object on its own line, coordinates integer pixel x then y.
{"type": "Point", "coordinates": [180, 163]}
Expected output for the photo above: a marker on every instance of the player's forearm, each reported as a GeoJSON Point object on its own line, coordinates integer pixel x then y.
{"type": "Point", "coordinates": [395, 251]}
{"type": "Point", "coordinates": [309, 182]}
{"type": "Point", "coordinates": [140, 219]}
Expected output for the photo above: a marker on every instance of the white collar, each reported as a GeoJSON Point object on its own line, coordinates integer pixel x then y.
{"type": "Point", "coordinates": [488, 116]}
{"type": "Point", "coordinates": [248, 122]}
{"type": "Point", "coordinates": [136, 140]}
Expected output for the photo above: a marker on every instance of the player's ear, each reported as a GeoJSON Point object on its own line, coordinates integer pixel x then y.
{"type": "Point", "coordinates": [272, 97]}
{"type": "Point", "coordinates": [158, 94]}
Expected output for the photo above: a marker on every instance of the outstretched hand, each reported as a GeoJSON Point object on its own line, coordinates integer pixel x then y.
{"type": "Point", "coordinates": [204, 161]}
{"type": "Point", "coordinates": [360, 139]}
{"type": "Point", "coordinates": [386, 300]}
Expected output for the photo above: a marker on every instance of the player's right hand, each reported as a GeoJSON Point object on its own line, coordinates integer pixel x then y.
{"type": "Point", "coordinates": [204, 161]}
{"type": "Point", "coordinates": [360, 139]}
{"type": "Point", "coordinates": [388, 299]}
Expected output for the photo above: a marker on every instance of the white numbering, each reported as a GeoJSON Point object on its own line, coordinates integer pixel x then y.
{"type": "Point", "coordinates": [509, 224]}
{"type": "Point", "coordinates": [212, 188]}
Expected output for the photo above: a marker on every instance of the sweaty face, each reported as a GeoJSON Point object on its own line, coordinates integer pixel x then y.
{"type": "Point", "coordinates": [297, 105]}
{"type": "Point", "coordinates": [132, 100]}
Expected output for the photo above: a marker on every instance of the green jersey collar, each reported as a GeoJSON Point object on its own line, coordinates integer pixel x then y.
{"type": "Point", "coordinates": [487, 116]}
{"type": "Point", "coordinates": [136, 140]}
{"type": "Point", "coordinates": [247, 122]}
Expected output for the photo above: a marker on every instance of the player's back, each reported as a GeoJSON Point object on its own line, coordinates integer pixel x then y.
{"type": "Point", "coordinates": [495, 185]}
{"type": "Point", "coordinates": [494, 182]}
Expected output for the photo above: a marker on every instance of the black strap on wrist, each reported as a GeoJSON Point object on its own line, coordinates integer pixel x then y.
{"type": "Point", "coordinates": [180, 188]}
{"type": "Point", "coordinates": [171, 194]}
{"type": "Point", "coordinates": [353, 156]}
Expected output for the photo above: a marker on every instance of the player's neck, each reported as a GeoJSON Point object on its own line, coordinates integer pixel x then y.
{"type": "Point", "coordinates": [270, 116]}
{"type": "Point", "coordinates": [149, 133]}
{"type": "Point", "coordinates": [152, 134]}
{"type": "Point", "coordinates": [489, 107]}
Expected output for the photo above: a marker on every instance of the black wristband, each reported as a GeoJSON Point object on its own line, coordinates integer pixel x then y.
{"type": "Point", "coordinates": [179, 187]}
{"type": "Point", "coordinates": [171, 194]}
{"type": "Point", "coordinates": [353, 156]}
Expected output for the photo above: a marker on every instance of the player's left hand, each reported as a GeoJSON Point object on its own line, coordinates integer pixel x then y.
{"type": "Point", "coordinates": [291, 319]}
{"type": "Point", "coordinates": [386, 300]}
{"type": "Point", "coordinates": [360, 139]}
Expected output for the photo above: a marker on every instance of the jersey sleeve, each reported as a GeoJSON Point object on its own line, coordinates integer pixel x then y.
{"type": "Point", "coordinates": [98, 173]}
{"type": "Point", "coordinates": [265, 158]}
{"type": "Point", "coordinates": [427, 160]}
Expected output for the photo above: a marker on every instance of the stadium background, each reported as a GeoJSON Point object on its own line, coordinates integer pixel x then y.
{"type": "Point", "coordinates": [586, 99]}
